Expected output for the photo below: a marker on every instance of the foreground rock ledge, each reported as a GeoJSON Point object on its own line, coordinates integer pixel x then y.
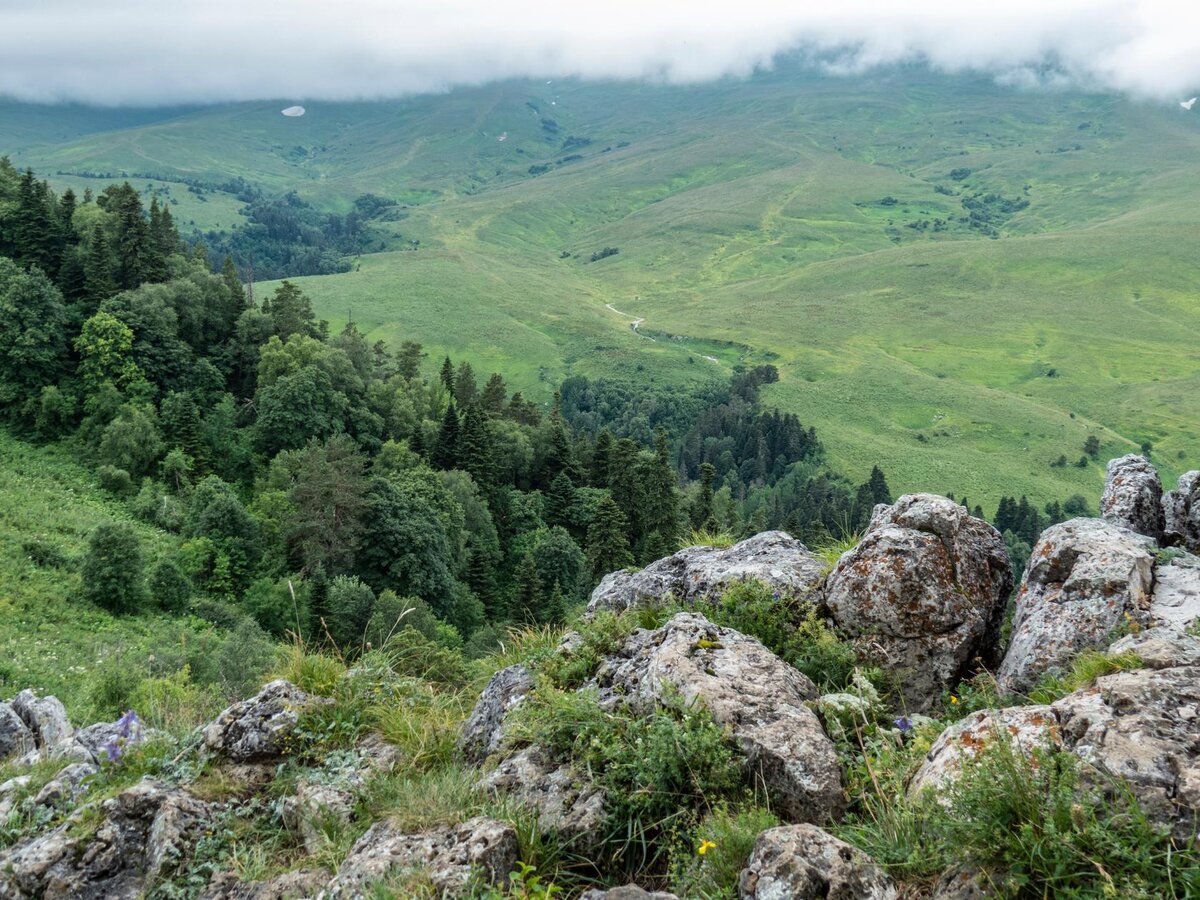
{"type": "Point", "coordinates": [802, 862]}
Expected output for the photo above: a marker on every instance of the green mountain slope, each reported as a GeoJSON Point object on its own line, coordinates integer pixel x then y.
{"type": "Point", "coordinates": [816, 223]}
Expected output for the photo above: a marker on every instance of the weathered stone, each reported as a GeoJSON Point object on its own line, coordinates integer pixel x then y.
{"type": "Point", "coordinates": [9, 791]}
{"type": "Point", "coordinates": [928, 584]}
{"type": "Point", "coordinates": [745, 687]}
{"type": "Point", "coordinates": [566, 801]}
{"type": "Point", "coordinates": [1132, 496]}
{"type": "Point", "coordinates": [1181, 513]}
{"type": "Point", "coordinates": [1026, 727]}
{"type": "Point", "coordinates": [703, 573]}
{"type": "Point", "coordinates": [803, 862]}
{"type": "Point", "coordinates": [66, 786]}
{"type": "Point", "coordinates": [258, 728]}
{"type": "Point", "coordinates": [377, 755]}
{"type": "Point", "coordinates": [16, 738]}
{"type": "Point", "coordinates": [1143, 726]}
{"type": "Point", "coordinates": [446, 857]}
{"type": "Point", "coordinates": [313, 806]}
{"type": "Point", "coordinates": [300, 885]}
{"type": "Point", "coordinates": [963, 883]}
{"type": "Point", "coordinates": [484, 730]}
{"type": "Point", "coordinates": [626, 892]}
{"type": "Point", "coordinates": [144, 833]}
{"type": "Point", "coordinates": [1176, 598]}
{"type": "Point", "coordinates": [1160, 648]}
{"type": "Point", "coordinates": [1084, 578]}
{"type": "Point", "coordinates": [47, 718]}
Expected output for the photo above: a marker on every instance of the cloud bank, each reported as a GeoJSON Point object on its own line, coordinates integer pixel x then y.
{"type": "Point", "coordinates": [149, 52]}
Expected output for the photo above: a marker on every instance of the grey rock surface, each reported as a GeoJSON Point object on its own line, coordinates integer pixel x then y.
{"type": "Point", "coordinates": [257, 728]}
{"type": "Point", "coordinates": [1181, 513]}
{"type": "Point", "coordinates": [702, 573]}
{"type": "Point", "coordinates": [16, 738]}
{"type": "Point", "coordinates": [1160, 648]}
{"type": "Point", "coordinates": [1085, 578]}
{"type": "Point", "coordinates": [803, 862]}
{"type": "Point", "coordinates": [46, 718]}
{"type": "Point", "coordinates": [626, 892]}
{"type": "Point", "coordinates": [1132, 496]}
{"type": "Point", "coordinates": [1176, 598]}
{"type": "Point", "coordinates": [299, 885]}
{"type": "Point", "coordinates": [565, 799]}
{"type": "Point", "coordinates": [928, 584]}
{"type": "Point", "coordinates": [484, 729]}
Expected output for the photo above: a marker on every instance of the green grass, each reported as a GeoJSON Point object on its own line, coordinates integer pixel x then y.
{"type": "Point", "coordinates": [751, 228]}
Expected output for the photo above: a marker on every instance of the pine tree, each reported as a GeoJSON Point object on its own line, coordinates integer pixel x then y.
{"type": "Point", "coordinates": [702, 509]}
{"type": "Point", "coordinates": [474, 452]}
{"type": "Point", "coordinates": [447, 375]}
{"type": "Point", "coordinates": [602, 460]}
{"type": "Point", "coordinates": [527, 591]}
{"type": "Point", "coordinates": [34, 229]}
{"type": "Point", "coordinates": [408, 360]}
{"type": "Point", "coordinates": [607, 545]}
{"type": "Point", "coordinates": [154, 255]}
{"type": "Point", "coordinates": [131, 244]}
{"type": "Point", "coordinates": [445, 451]}
{"type": "Point", "coordinates": [494, 394]}
{"type": "Point", "coordinates": [559, 505]}
{"type": "Point", "coordinates": [98, 269]}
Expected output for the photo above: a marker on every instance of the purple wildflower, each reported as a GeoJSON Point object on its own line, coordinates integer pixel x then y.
{"type": "Point", "coordinates": [904, 723]}
{"type": "Point", "coordinates": [129, 731]}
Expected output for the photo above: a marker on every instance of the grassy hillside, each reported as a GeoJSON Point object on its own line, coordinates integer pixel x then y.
{"type": "Point", "coordinates": [816, 223]}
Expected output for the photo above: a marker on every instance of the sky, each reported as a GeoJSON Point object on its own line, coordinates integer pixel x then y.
{"type": "Point", "coordinates": [150, 52]}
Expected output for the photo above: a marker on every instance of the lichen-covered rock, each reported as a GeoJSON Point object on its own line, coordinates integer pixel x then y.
{"type": "Point", "coordinates": [698, 573]}
{"type": "Point", "coordinates": [744, 686]}
{"type": "Point", "coordinates": [447, 857]}
{"type": "Point", "coordinates": [484, 729]}
{"type": "Point", "coordinates": [963, 883]}
{"type": "Point", "coordinates": [1181, 513]}
{"type": "Point", "coordinates": [1084, 577]}
{"type": "Point", "coordinates": [1026, 727]}
{"type": "Point", "coordinates": [1132, 496]}
{"type": "Point", "coordinates": [300, 885]}
{"type": "Point", "coordinates": [258, 728]}
{"type": "Point", "coordinates": [66, 786]}
{"type": "Point", "coordinates": [16, 738]}
{"type": "Point", "coordinates": [928, 583]}
{"type": "Point", "coordinates": [1160, 648]}
{"type": "Point", "coordinates": [143, 834]}
{"type": "Point", "coordinates": [313, 806]}
{"type": "Point", "coordinates": [1176, 598]}
{"type": "Point", "coordinates": [565, 799]}
{"type": "Point", "coordinates": [47, 719]}
{"type": "Point", "coordinates": [803, 862]}
{"type": "Point", "coordinates": [626, 892]}
{"type": "Point", "coordinates": [1144, 727]}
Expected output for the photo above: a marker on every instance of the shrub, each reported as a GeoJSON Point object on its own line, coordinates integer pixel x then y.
{"type": "Point", "coordinates": [600, 637]}
{"type": "Point", "coordinates": [277, 605]}
{"type": "Point", "coordinates": [112, 569]}
{"type": "Point", "coordinates": [169, 587]}
{"type": "Point", "coordinates": [116, 481]}
{"type": "Point", "coordinates": [349, 607]}
{"type": "Point", "coordinates": [727, 837]}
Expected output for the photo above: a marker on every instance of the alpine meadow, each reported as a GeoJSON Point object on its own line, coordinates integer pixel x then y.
{"type": "Point", "coordinates": [664, 454]}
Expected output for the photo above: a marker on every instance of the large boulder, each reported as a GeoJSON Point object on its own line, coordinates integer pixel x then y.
{"type": "Point", "coordinates": [446, 858]}
{"type": "Point", "coordinates": [566, 800]}
{"type": "Point", "coordinates": [1085, 577]}
{"type": "Point", "coordinates": [258, 729]}
{"type": "Point", "coordinates": [1181, 513]}
{"type": "Point", "coordinates": [927, 583]}
{"type": "Point", "coordinates": [16, 738]}
{"type": "Point", "coordinates": [1162, 647]}
{"type": "Point", "coordinates": [803, 862]}
{"type": "Point", "coordinates": [626, 892]}
{"type": "Point", "coordinates": [141, 835]}
{"type": "Point", "coordinates": [703, 573]}
{"type": "Point", "coordinates": [1132, 496]}
{"type": "Point", "coordinates": [1176, 598]}
{"type": "Point", "coordinates": [1025, 727]}
{"type": "Point", "coordinates": [744, 686]}
{"type": "Point", "coordinates": [484, 729]}
{"type": "Point", "coordinates": [47, 720]}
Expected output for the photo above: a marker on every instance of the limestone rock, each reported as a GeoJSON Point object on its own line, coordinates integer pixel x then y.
{"type": "Point", "coordinates": [963, 883]}
{"type": "Point", "coordinates": [1132, 496]}
{"type": "Point", "coordinates": [299, 885]}
{"type": "Point", "coordinates": [928, 583]}
{"type": "Point", "coordinates": [1027, 727]}
{"type": "Point", "coordinates": [46, 718]}
{"type": "Point", "coordinates": [1181, 513]}
{"type": "Point", "coordinates": [1084, 577]}
{"type": "Point", "coordinates": [626, 892]}
{"type": "Point", "coordinates": [700, 573]}
{"type": "Point", "coordinates": [447, 857]}
{"type": "Point", "coordinates": [745, 687]}
{"type": "Point", "coordinates": [16, 738]}
{"type": "Point", "coordinates": [1143, 726]}
{"type": "Point", "coordinates": [66, 786]}
{"type": "Point", "coordinates": [803, 862]}
{"type": "Point", "coordinates": [257, 728]}
{"type": "Point", "coordinates": [565, 800]}
{"type": "Point", "coordinates": [483, 731]}
{"type": "Point", "coordinates": [1176, 598]}
{"type": "Point", "coordinates": [313, 805]}
{"type": "Point", "coordinates": [1160, 648]}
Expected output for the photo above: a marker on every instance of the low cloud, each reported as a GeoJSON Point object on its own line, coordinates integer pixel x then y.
{"type": "Point", "coordinates": [146, 52]}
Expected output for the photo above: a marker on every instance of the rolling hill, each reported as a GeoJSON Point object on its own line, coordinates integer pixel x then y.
{"type": "Point", "coordinates": [959, 281]}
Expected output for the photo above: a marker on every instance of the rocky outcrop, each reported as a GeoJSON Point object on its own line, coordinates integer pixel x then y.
{"type": "Point", "coordinates": [484, 729]}
{"type": "Point", "coordinates": [142, 835]}
{"type": "Point", "coordinates": [257, 729]}
{"type": "Point", "coordinates": [1025, 727]}
{"type": "Point", "coordinates": [1132, 496]}
{"type": "Point", "coordinates": [1160, 648]}
{"type": "Point", "coordinates": [444, 858]}
{"type": "Point", "coordinates": [626, 892]}
{"type": "Point", "coordinates": [744, 686]}
{"type": "Point", "coordinates": [16, 738]}
{"type": "Point", "coordinates": [703, 573]}
{"type": "Point", "coordinates": [928, 584]}
{"type": "Point", "coordinates": [803, 862]}
{"type": "Point", "coordinates": [301, 885]}
{"type": "Point", "coordinates": [565, 800]}
{"type": "Point", "coordinates": [1176, 598]}
{"type": "Point", "coordinates": [1181, 513]}
{"type": "Point", "coordinates": [1084, 578]}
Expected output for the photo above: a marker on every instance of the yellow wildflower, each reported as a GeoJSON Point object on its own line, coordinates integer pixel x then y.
{"type": "Point", "coordinates": [705, 846]}
{"type": "Point", "coordinates": [953, 699]}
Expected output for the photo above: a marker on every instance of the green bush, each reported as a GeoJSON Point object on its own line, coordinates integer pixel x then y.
{"type": "Point", "coordinates": [600, 637]}
{"type": "Point", "coordinates": [727, 838]}
{"type": "Point", "coordinates": [114, 480]}
{"type": "Point", "coordinates": [112, 575]}
{"type": "Point", "coordinates": [169, 587]}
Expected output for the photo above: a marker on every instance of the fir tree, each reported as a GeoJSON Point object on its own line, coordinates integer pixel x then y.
{"type": "Point", "coordinates": [880, 492]}
{"type": "Point", "coordinates": [445, 451]}
{"type": "Point", "coordinates": [447, 375]}
{"type": "Point", "coordinates": [559, 505]}
{"type": "Point", "coordinates": [702, 508]}
{"type": "Point", "coordinates": [607, 546]}
{"type": "Point", "coordinates": [474, 450]}
{"type": "Point", "coordinates": [98, 269]}
{"type": "Point", "coordinates": [661, 509]}
{"type": "Point", "coordinates": [527, 591]}
{"type": "Point", "coordinates": [494, 394]}
{"type": "Point", "coordinates": [602, 460]}
{"type": "Point", "coordinates": [465, 388]}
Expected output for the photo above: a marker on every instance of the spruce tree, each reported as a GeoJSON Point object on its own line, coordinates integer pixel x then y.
{"type": "Point", "coordinates": [465, 388]}
{"type": "Point", "coordinates": [445, 451]}
{"type": "Point", "coordinates": [526, 592]}
{"type": "Point", "coordinates": [559, 505]}
{"type": "Point", "coordinates": [493, 396]}
{"type": "Point", "coordinates": [602, 460]}
{"type": "Point", "coordinates": [99, 283]}
{"type": "Point", "coordinates": [702, 508]}
{"type": "Point", "coordinates": [555, 609]}
{"type": "Point", "coordinates": [447, 375]}
{"type": "Point", "coordinates": [880, 492]}
{"type": "Point", "coordinates": [607, 545]}
{"type": "Point", "coordinates": [474, 451]}
{"type": "Point", "coordinates": [661, 509]}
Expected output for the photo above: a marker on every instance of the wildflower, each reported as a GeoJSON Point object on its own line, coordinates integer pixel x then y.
{"type": "Point", "coordinates": [953, 699]}
{"type": "Point", "coordinates": [705, 846]}
{"type": "Point", "coordinates": [904, 723]}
